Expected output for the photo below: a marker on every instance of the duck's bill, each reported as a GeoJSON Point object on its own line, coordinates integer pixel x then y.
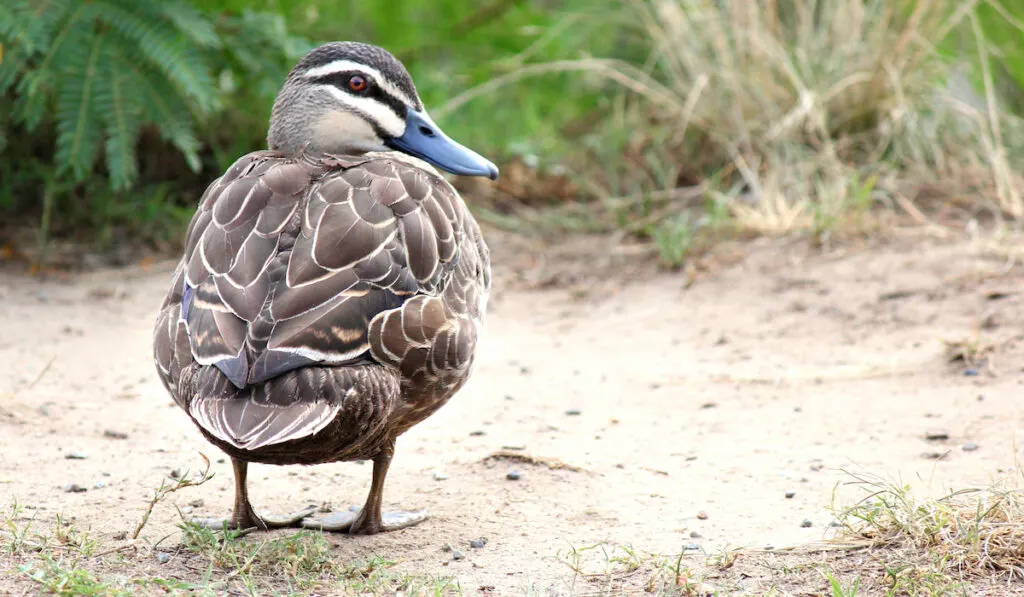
{"type": "Point", "coordinates": [427, 141]}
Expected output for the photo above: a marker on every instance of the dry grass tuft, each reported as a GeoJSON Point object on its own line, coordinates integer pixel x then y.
{"type": "Point", "coordinates": [793, 116]}
{"type": "Point", "coordinates": [823, 108]}
{"type": "Point", "coordinates": [972, 532]}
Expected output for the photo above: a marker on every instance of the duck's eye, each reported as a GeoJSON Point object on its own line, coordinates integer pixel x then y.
{"type": "Point", "coordinates": [358, 83]}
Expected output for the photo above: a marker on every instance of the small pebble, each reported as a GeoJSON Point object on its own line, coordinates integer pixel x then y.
{"type": "Point", "coordinates": [970, 372]}
{"type": "Point", "coordinates": [440, 475]}
{"type": "Point", "coordinates": [186, 510]}
{"type": "Point", "coordinates": [175, 474]}
{"type": "Point", "coordinates": [970, 447]}
{"type": "Point", "coordinates": [835, 524]}
{"type": "Point", "coordinates": [935, 435]}
{"type": "Point", "coordinates": [695, 535]}
{"type": "Point", "coordinates": [196, 503]}
{"type": "Point", "coordinates": [514, 475]}
{"type": "Point", "coordinates": [807, 523]}
{"type": "Point", "coordinates": [702, 515]}
{"type": "Point", "coordinates": [691, 546]}
{"type": "Point", "coordinates": [74, 488]}
{"type": "Point", "coordinates": [112, 434]}
{"type": "Point", "coordinates": [572, 412]}
{"type": "Point", "coordinates": [120, 535]}
{"type": "Point", "coordinates": [790, 494]}
{"type": "Point", "coordinates": [446, 548]}
{"type": "Point", "coordinates": [163, 557]}
{"type": "Point", "coordinates": [76, 456]}
{"type": "Point", "coordinates": [457, 555]}
{"type": "Point", "coordinates": [100, 485]}
{"type": "Point", "coordinates": [477, 433]}
{"type": "Point", "coordinates": [478, 543]}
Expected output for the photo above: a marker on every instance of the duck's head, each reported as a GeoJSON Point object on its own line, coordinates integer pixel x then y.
{"type": "Point", "coordinates": [351, 98]}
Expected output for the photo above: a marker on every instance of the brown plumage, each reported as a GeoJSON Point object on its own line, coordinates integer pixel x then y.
{"type": "Point", "coordinates": [325, 304]}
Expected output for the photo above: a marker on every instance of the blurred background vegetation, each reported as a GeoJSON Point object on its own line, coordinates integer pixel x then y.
{"type": "Point", "coordinates": [671, 120]}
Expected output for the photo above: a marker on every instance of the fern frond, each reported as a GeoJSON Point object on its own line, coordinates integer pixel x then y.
{"type": "Point", "coordinates": [118, 101]}
{"type": "Point", "coordinates": [12, 65]}
{"type": "Point", "coordinates": [79, 132]}
{"type": "Point", "coordinates": [190, 22]}
{"type": "Point", "coordinates": [166, 108]}
{"type": "Point", "coordinates": [26, 31]}
{"type": "Point", "coordinates": [166, 49]}
{"type": "Point", "coordinates": [100, 70]}
{"type": "Point", "coordinates": [10, 21]}
{"type": "Point", "coordinates": [35, 86]}
{"type": "Point", "coordinates": [38, 22]}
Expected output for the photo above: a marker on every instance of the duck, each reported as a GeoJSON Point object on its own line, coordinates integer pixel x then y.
{"type": "Point", "coordinates": [333, 287]}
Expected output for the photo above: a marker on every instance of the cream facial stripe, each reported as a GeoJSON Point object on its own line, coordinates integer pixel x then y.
{"type": "Point", "coordinates": [380, 114]}
{"type": "Point", "coordinates": [341, 66]}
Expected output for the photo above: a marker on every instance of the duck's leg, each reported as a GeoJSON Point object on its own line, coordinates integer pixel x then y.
{"type": "Point", "coordinates": [370, 520]}
{"type": "Point", "coordinates": [243, 516]}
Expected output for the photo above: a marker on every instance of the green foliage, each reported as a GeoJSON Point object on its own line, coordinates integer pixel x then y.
{"type": "Point", "coordinates": [674, 238]}
{"type": "Point", "coordinates": [100, 70]}
{"type": "Point", "coordinates": [304, 562]}
{"type": "Point", "coordinates": [451, 46]}
{"type": "Point", "coordinates": [1001, 28]}
{"type": "Point", "coordinates": [103, 102]}
{"type": "Point", "coordinates": [58, 577]}
{"type": "Point", "coordinates": [255, 52]}
{"type": "Point", "coordinates": [303, 556]}
{"type": "Point", "coordinates": [838, 588]}
{"type": "Point", "coordinates": [119, 112]}
{"type": "Point", "coordinates": [94, 94]}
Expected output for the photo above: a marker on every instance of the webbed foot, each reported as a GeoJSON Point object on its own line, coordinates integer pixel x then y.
{"type": "Point", "coordinates": [353, 521]}
{"type": "Point", "coordinates": [248, 519]}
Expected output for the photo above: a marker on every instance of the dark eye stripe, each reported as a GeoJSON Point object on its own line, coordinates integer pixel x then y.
{"type": "Point", "coordinates": [340, 80]}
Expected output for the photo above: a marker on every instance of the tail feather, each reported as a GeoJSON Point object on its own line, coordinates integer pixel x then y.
{"type": "Point", "coordinates": [293, 406]}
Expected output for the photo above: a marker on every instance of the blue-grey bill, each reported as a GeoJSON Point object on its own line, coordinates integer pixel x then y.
{"type": "Point", "coordinates": [427, 141]}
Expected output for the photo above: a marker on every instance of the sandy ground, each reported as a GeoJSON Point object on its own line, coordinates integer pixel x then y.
{"type": "Point", "coordinates": [680, 406]}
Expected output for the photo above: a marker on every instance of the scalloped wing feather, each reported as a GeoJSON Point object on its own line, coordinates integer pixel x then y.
{"type": "Point", "coordinates": [297, 262]}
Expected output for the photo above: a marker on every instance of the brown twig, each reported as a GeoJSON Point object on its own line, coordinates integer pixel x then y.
{"type": "Point", "coordinates": [39, 376]}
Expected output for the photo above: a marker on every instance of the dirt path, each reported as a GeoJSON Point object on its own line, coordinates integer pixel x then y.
{"type": "Point", "coordinates": [665, 402]}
